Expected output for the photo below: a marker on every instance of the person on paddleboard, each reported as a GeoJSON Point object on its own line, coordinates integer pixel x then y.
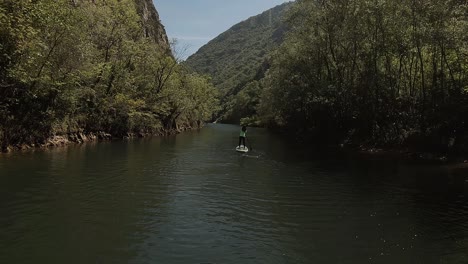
{"type": "Point", "coordinates": [242, 137]}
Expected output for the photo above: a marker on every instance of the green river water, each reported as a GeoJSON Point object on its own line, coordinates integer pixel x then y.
{"type": "Point", "coordinates": [191, 198]}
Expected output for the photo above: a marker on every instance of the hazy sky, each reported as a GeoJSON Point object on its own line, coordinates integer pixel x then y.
{"type": "Point", "coordinates": [195, 22]}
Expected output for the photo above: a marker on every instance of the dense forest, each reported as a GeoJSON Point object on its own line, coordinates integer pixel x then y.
{"type": "Point", "coordinates": [237, 59]}
{"type": "Point", "coordinates": [378, 73]}
{"type": "Point", "coordinates": [361, 72]}
{"type": "Point", "coordinates": [385, 73]}
{"type": "Point", "coordinates": [92, 66]}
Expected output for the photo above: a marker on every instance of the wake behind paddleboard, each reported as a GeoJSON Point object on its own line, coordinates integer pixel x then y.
{"type": "Point", "coordinates": [242, 149]}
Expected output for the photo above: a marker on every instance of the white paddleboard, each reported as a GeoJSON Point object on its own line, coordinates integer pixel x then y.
{"type": "Point", "coordinates": [242, 149]}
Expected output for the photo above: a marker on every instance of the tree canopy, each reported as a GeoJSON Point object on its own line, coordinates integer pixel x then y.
{"type": "Point", "coordinates": [68, 66]}
{"type": "Point", "coordinates": [373, 71]}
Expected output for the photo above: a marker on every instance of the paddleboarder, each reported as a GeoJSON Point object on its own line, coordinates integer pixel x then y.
{"type": "Point", "coordinates": [242, 137]}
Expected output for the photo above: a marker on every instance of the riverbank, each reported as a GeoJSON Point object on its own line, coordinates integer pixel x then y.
{"type": "Point", "coordinates": [61, 140]}
{"type": "Point", "coordinates": [408, 154]}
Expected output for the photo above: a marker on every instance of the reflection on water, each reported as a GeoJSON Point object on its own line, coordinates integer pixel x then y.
{"type": "Point", "coordinates": [193, 199]}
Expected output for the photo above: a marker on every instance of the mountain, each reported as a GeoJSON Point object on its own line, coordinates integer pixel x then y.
{"type": "Point", "coordinates": [153, 28]}
{"type": "Point", "coordinates": [238, 57]}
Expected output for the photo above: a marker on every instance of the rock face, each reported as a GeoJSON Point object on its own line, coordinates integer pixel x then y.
{"type": "Point", "coordinates": [153, 27]}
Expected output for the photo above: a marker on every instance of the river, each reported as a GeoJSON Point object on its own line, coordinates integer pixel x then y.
{"type": "Point", "coordinates": [191, 198]}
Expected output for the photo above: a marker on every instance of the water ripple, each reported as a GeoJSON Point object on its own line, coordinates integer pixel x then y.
{"type": "Point", "coordinates": [192, 199]}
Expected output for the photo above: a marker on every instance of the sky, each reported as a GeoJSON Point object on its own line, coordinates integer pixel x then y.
{"type": "Point", "coordinates": [195, 22]}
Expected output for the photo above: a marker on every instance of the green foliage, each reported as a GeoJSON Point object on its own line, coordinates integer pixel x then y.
{"type": "Point", "coordinates": [243, 105]}
{"type": "Point", "coordinates": [239, 56]}
{"type": "Point", "coordinates": [381, 72]}
{"type": "Point", "coordinates": [89, 66]}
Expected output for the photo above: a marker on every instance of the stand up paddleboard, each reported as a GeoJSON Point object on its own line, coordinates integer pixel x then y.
{"type": "Point", "coordinates": [242, 149]}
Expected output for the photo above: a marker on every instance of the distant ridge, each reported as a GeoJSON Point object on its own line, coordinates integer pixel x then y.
{"type": "Point", "coordinates": [239, 55]}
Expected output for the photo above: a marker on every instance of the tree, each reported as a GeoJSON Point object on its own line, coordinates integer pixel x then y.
{"type": "Point", "coordinates": [371, 71]}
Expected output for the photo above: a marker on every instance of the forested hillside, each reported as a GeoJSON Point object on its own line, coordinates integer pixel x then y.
{"type": "Point", "coordinates": [237, 59]}
{"type": "Point", "coordinates": [90, 66]}
{"type": "Point", "coordinates": [385, 73]}
{"type": "Point", "coordinates": [373, 73]}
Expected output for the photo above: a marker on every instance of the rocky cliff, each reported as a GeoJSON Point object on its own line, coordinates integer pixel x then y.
{"type": "Point", "coordinates": [153, 27]}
